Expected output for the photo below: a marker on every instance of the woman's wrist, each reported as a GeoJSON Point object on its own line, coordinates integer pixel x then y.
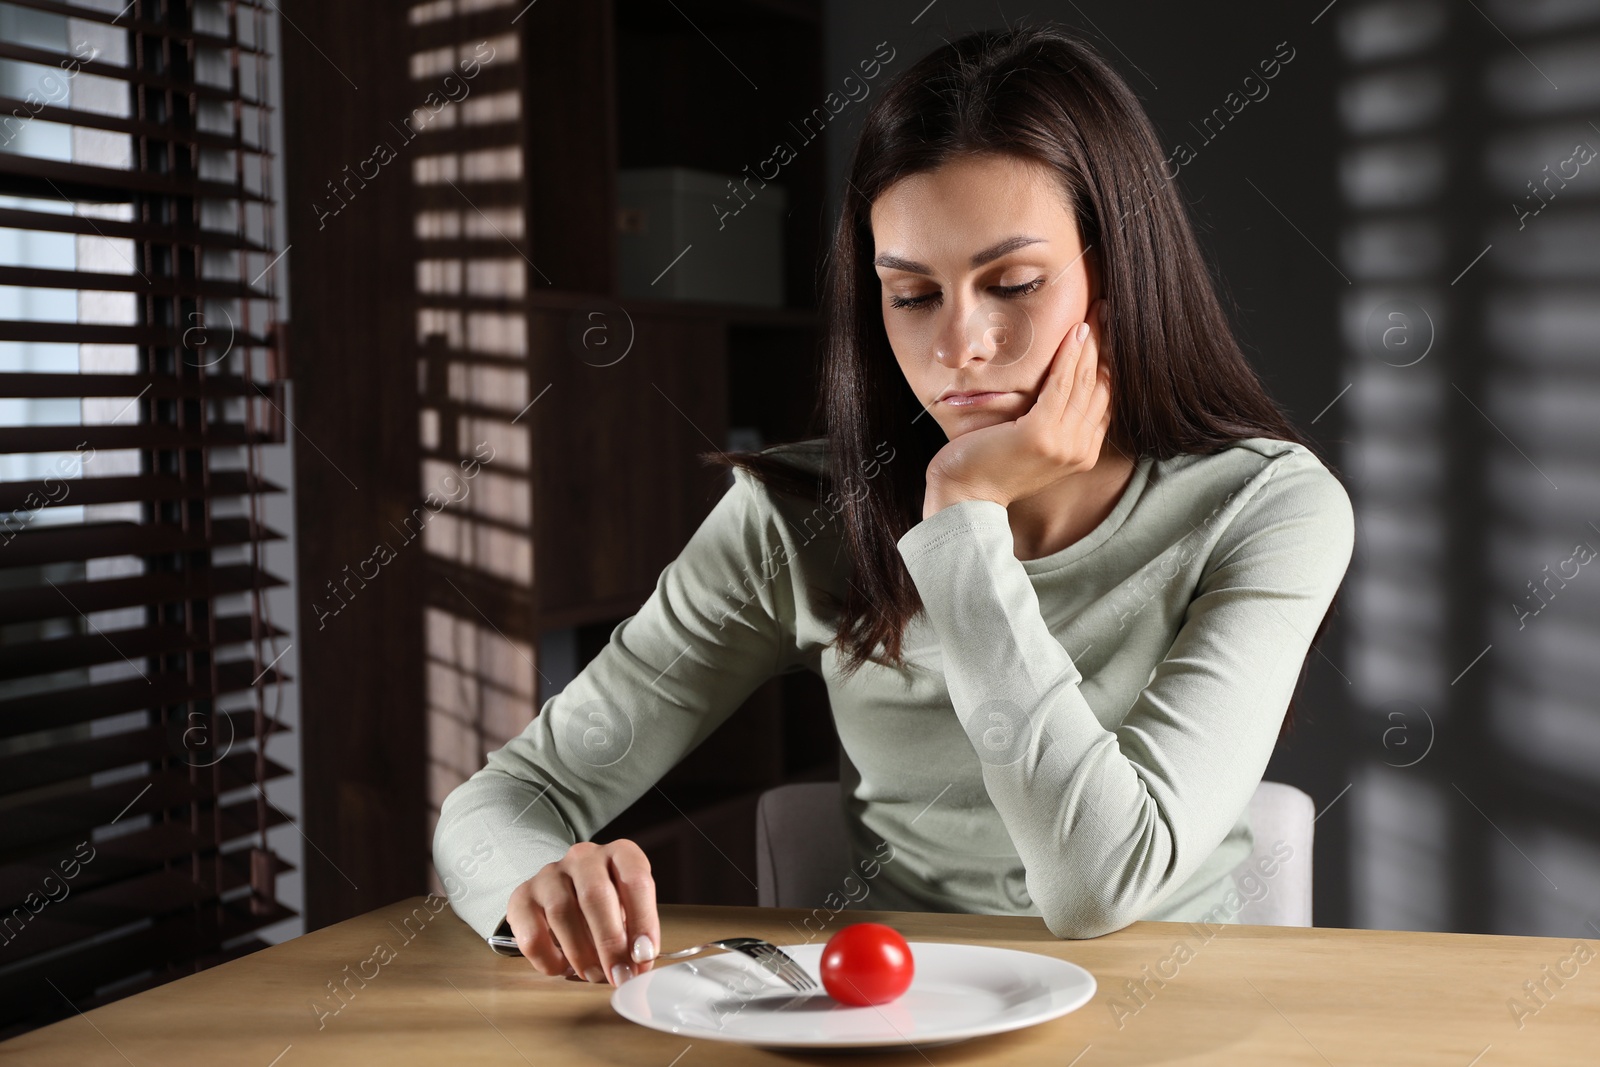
{"type": "Point", "coordinates": [940, 494]}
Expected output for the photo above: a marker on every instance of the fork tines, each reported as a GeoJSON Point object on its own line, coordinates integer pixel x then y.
{"type": "Point", "coordinates": [781, 964]}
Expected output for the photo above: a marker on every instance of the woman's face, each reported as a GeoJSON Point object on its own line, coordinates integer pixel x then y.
{"type": "Point", "coordinates": [983, 273]}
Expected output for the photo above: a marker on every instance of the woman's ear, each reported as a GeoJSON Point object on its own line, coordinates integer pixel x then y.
{"type": "Point", "coordinates": [1091, 265]}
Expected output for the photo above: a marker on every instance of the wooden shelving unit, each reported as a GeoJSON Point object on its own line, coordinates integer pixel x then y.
{"type": "Point", "coordinates": [614, 485]}
{"type": "Point", "coordinates": [433, 317]}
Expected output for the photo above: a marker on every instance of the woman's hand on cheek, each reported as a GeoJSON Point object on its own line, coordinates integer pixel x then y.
{"type": "Point", "coordinates": [1060, 434]}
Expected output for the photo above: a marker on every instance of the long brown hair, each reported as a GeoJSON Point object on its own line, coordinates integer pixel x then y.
{"type": "Point", "coordinates": [1179, 382]}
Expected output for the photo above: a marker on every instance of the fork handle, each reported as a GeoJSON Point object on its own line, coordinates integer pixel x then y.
{"type": "Point", "coordinates": [681, 954]}
{"type": "Point", "coordinates": [507, 945]}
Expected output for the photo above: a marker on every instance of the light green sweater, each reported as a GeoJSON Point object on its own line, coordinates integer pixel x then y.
{"type": "Point", "coordinates": [1075, 737]}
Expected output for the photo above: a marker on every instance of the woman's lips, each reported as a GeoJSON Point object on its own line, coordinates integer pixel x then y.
{"type": "Point", "coordinates": [963, 400]}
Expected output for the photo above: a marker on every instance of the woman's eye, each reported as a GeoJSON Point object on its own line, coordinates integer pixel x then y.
{"type": "Point", "coordinates": [930, 300]}
{"type": "Point", "coordinates": [1022, 290]}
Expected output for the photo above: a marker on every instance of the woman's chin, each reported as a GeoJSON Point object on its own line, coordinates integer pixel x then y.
{"type": "Point", "coordinates": [957, 423]}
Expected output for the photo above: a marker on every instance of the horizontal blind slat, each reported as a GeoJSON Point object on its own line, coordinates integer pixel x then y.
{"type": "Point", "coordinates": [36, 603]}
{"type": "Point", "coordinates": [30, 496]}
{"type": "Point", "coordinates": [60, 817]}
{"type": "Point", "coordinates": [79, 974]}
{"type": "Point", "coordinates": [179, 235]}
{"type": "Point", "coordinates": [69, 333]}
{"type": "Point", "coordinates": [131, 435]}
{"type": "Point", "coordinates": [125, 20]}
{"type": "Point", "coordinates": [157, 843]}
{"type": "Point", "coordinates": [95, 120]}
{"type": "Point", "coordinates": [159, 893]}
{"type": "Point", "coordinates": [99, 645]}
{"type": "Point", "coordinates": [102, 540]}
{"type": "Point", "coordinates": [64, 763]}
{"type": "Point", "coordinates": [69, 707]}
{"type": "Point", "coordinates": [112, 184]}
{"type": "Point", "coordinates": [132, 75]}
{"type": "Point", "coordinates": [40, 278]}
{"type": "Point", "coordinates": [40, 384]}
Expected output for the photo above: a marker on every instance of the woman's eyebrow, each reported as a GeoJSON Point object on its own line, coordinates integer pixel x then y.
{"type": "Point", "coordinates": [1010, 244]}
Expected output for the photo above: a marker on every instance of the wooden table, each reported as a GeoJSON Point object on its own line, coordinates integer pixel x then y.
{"type": "Point", "coordinates": [1245, 995]}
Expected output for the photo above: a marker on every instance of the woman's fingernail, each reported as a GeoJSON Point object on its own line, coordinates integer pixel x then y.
{"type": "Point", "coordinates": [1083, 330]}
{"type": "Point", "coordinates": [569, 972]}
{"type": "Point", "coordinates": [643, 949]}
{"type": "Point", "coordinates": [595, 975]}
{"type": "Point", "coordinates": [621, 972]}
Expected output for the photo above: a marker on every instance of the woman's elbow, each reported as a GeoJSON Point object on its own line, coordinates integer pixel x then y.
{"type": "Point", "coordinates": [1085, 917]}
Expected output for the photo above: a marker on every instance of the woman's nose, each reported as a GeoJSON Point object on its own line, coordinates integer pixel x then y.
{"type": "Point", "coordinates": [992, 330]}
{"type": "Point", "coordinates": [964, 335]}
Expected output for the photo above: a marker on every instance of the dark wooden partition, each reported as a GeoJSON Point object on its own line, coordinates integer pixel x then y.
{"type": "Point", "coordinates": [355, 403]}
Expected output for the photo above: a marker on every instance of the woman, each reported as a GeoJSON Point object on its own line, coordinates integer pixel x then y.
{"type": "Point", "coordinates": [1059, 558]}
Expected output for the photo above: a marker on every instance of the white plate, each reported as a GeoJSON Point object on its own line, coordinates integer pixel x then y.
{"type": "Point", "coordinates": [957, 992]}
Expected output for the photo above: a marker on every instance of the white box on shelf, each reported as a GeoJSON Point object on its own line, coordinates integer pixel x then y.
{"type": "Point", "coordinates": [732, 229]}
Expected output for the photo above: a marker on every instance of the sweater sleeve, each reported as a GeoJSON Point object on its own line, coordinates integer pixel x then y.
{"type": "Point", "coordinates": [711, 632]}
{"type": "Point", "coordinates": [1109, 822]}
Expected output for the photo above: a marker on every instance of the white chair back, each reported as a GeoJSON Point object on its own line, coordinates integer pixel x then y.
{"type": "Point", "coordinates": [802, 855]}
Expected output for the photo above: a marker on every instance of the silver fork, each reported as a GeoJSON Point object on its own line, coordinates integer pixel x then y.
{"type": "Point", "coordinates": [767, 954]}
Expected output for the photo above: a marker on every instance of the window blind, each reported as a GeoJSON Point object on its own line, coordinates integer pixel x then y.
{"type": "Point", "coordinates": [140, 377]}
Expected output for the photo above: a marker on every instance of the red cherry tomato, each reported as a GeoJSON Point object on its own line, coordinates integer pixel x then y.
{"type": "Point", "coordinates": [866, 963]}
